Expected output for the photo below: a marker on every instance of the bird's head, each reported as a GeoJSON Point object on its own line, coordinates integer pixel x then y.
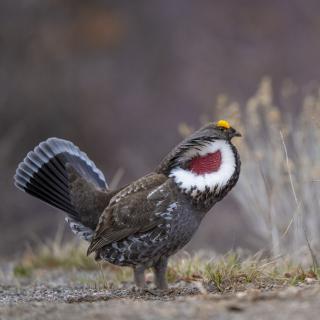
{"type": "Point", "coordinates": [220, 130]}
{"type": "Point", "coordinates": [206, 161]}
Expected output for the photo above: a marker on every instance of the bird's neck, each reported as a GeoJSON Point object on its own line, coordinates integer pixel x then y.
{"type": "Point", "coordinates": [207, 172]}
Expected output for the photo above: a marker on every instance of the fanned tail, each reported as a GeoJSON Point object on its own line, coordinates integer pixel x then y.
{"type": "Point", "coordinates": [58, 173]}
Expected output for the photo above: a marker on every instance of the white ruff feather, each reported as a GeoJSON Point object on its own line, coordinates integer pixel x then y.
{"type": "Point", "coordinates": [187, 179]}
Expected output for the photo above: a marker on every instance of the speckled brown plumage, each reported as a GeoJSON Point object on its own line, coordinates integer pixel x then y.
{"type": "Point", "coordinates": [143, 223]}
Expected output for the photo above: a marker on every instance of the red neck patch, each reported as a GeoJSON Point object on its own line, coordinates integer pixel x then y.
{"type": "Point", "coordinates": [206, 164]}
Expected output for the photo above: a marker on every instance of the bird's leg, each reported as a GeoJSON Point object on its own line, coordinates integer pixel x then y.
{"type": "Point", "coordinates": [160, 269]}
{"type": "Point", "coordinates": [138, 272]}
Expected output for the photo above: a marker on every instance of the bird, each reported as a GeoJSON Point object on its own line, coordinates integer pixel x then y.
{"type": "Point", "coordinates": [143, 223]}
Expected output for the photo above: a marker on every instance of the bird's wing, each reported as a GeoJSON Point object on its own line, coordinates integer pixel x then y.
{"type": "Point", "coordinates": [134, 209]}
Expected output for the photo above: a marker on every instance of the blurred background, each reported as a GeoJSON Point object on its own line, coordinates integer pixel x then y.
{"type": "Point", "coordinates": [124, 80]}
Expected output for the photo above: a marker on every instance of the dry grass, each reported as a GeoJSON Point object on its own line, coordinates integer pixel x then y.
{"type": "Point", "coordinates": [56, 254]}
{"type": "Point", "coordinates": [233, 273]}
{"type": "Point", "coordinates": [278, 190]}
{"type": "Point", "coordinates": [281, 160]}
{"type": "Point", "coordinates": [70, 255]}
{"type": "Point", "coordinates": [230, 272]}
{"type": "Point", "coordinates": [280, 154]}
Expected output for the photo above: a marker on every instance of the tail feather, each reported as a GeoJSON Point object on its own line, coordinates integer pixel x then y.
{"type": "Point", "coordinates": [45, 174]}
{"type": "Point", "coordinates": [42, 177]}
{"type": "Point", "coordinates": [79, 229]}
{"type": "Point", "coordinates": [44, 190]}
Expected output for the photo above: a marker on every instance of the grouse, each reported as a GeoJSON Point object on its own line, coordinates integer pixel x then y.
{"type": "Point", "coordinates": [143, 223]}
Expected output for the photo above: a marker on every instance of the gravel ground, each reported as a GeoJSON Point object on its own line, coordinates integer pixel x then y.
{"type": "Point", "coordinates": [60, 295]}
{"type": "Point", "coordinates": [291, 303]}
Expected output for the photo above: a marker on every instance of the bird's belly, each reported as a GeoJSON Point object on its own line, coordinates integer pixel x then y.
{"type": "Point", "coordinates": [146, 248]}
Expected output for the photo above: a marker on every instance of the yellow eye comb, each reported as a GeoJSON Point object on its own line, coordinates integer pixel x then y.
{"type": "Point", "coordinates": [223, 124]}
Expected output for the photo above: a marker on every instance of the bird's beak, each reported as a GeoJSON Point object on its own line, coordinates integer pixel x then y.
{"type": "Point", "coordinates": [237, 134]}
{"type": "Point", "coordinates": [234, 133]}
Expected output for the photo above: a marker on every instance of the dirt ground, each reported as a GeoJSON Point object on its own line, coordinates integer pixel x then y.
{"type": "Point", "coordinates": [290, 303]}
{"type": "Point", "coordinates": [62, 296]}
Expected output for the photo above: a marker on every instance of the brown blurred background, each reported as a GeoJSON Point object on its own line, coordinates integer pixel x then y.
{"type": "Point", "coordinates": [118, 77]}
